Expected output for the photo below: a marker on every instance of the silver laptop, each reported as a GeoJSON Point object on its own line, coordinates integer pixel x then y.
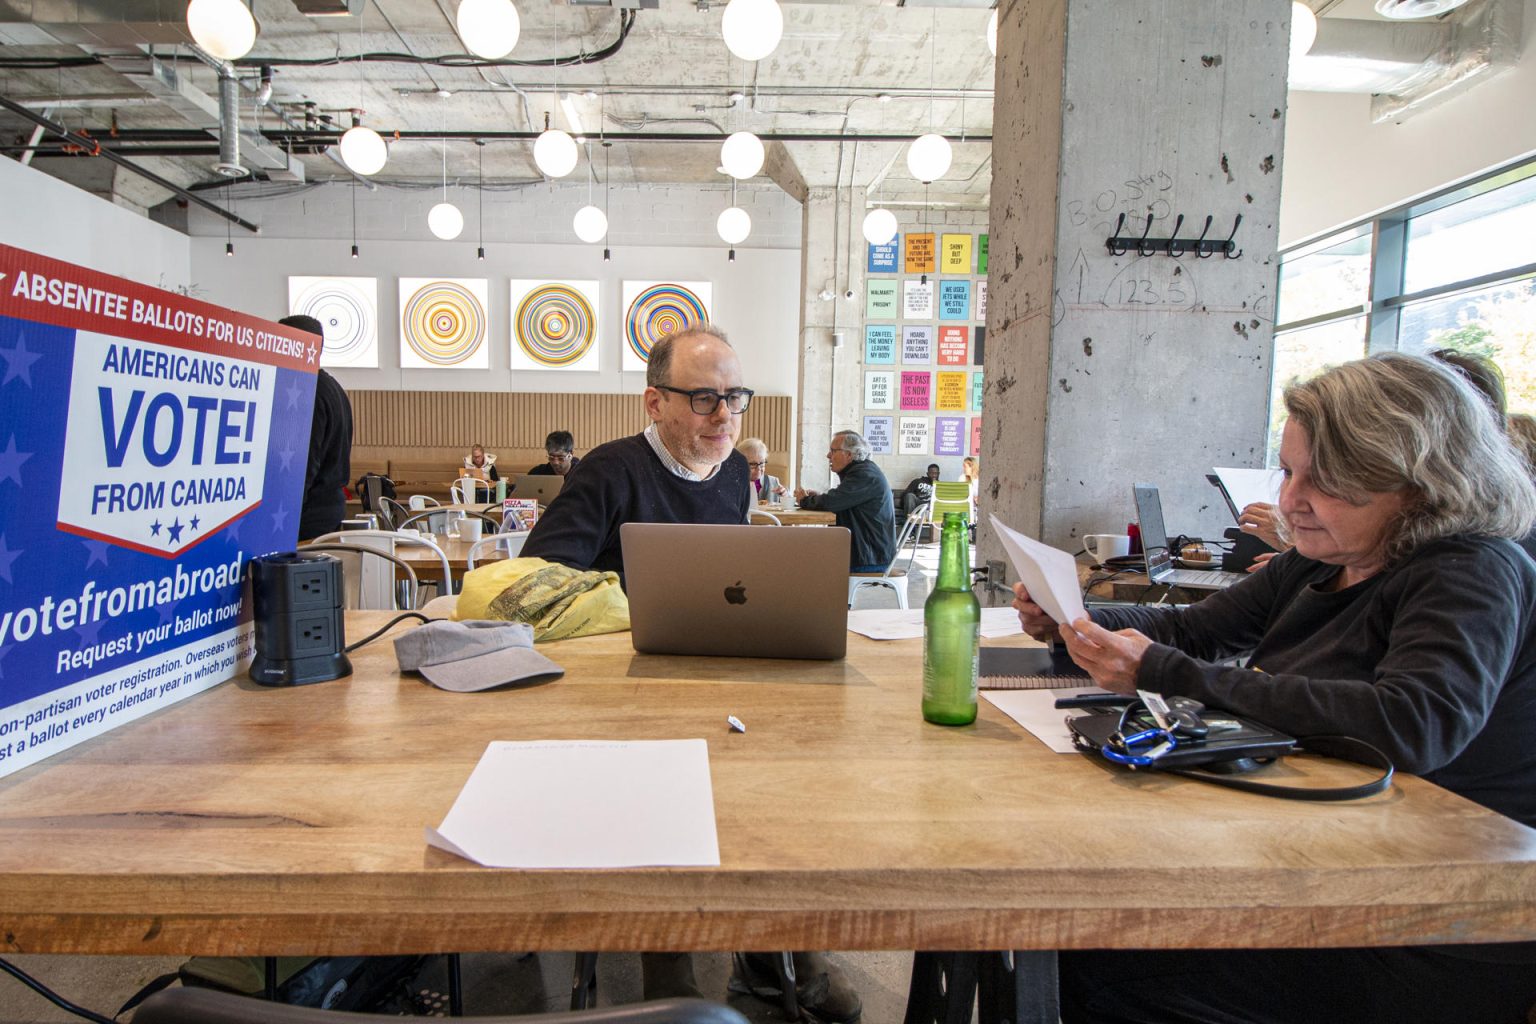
{"type": "Point", "coordinates": [1154, 545]}
{"type": "Point", "coordinates": [537, 486]}
{"type": "Point", "coordinates": [737, 591]}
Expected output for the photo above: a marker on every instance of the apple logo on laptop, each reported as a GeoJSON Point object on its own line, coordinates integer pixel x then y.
{"type": "Point", "coordinates": [736, 594]}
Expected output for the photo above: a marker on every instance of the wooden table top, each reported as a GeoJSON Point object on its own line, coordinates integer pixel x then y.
{"type": "Point", "coordinates": [795, 516]}
{"type": "Point", "coordinates": [249, 821]}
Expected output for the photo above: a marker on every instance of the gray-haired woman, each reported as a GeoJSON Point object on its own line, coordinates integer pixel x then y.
{"type": "Point", "coordinates": [1403, 616]}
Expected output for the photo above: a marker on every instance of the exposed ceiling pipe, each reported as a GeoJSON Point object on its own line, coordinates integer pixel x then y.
{"type": "Point", "coordinates": [94, 148]}
{"type": "Point", "coordinates": [229, 126]}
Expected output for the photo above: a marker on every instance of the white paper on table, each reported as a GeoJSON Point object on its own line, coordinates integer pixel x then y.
{"type": "Point", "coordinates": [1049, 574]}
{"type": "Point", "coordinates": [1247, 486]}
{"type": "Point", "coordinates": [1035, 710]}
{"type": "Point", "coordinates": [585, 804]}
{"type": "Point", "coordinates": [907, 623]}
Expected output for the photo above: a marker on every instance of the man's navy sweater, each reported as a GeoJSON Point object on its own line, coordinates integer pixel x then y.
{"type": "Point", "coordinates": [624, 482]}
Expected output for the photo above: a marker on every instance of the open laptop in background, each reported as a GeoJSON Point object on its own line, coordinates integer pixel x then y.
{"type": "Point", "coordinates": [1243, 487]}
{"type": "Point", "coordinates": [539, 487]}
{"type": "Point", "coordinates": [737, 591]}
{"type": "Point", "coordinates": [1154, 545]}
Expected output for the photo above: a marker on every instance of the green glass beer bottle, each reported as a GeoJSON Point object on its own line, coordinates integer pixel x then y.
{"type": "Point", "coordinates": [951, 633]}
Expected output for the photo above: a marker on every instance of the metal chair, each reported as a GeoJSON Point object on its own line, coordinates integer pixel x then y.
{"type": "Point", "coordinates": [511, 543]}
{"type": "Point", "coordinates": [421, 501]}
{"type": "Point", "coordinates": [764, 514]}
{"type": "Point", "coordinates": [343, 539]}
{"type": "Point", "coordinates": [392, 512]}
{"type": "Point", "coordinates": [206, 1006]}
{"type": "Point", "coordinates": [427, 514]}
{"type": "Point", "coordinates": [893, 578]}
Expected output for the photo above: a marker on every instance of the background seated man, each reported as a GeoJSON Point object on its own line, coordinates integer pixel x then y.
{"type": "Point", "coordinates": [683, 468]}
{"type": "Point", "coordinates": [481, 467]}
{"type": "Point", "coordinates": [558, 448]}
{"type": "Point", "coordinates": [919, 490]}
{"type": "Point", "coordinates": [765, 489]}
{"type": "Point", "coordinates": [862, 501]}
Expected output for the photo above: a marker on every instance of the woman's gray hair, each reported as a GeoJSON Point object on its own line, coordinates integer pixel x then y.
{"type": "Point", "coordinates": [1394, 422]}
{"type": "Point", "coordinates": [854, 444]}
{"type": "Point", "coordinates": [749, 445]}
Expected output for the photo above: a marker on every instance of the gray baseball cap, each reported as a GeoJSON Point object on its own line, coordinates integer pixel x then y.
{"type": "Point", "coordinates": [477, 654]}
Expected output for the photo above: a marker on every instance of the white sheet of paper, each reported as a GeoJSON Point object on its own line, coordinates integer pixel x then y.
{"type": "Point", "coordinates": [1035, 710]}
{"type": "Point", "coordinates": [585, 804]}
{"type": "Point", "coordinates": [1049, 574]}
{"type": "Point", "coordinates": [1247, 486]}
{"type": "Point", "coordinates": [907, 623]}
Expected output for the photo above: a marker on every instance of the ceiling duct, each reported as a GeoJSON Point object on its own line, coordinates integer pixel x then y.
{"type": "Point", "coordinates": [229, 127]}
{"type": "Point", "coordinates": [329, 8]}
{"type": "Point", "coordinates": [1484, 42]}
{"type": "Point", "coordinates": [93, 24]}
{"type": "Point", "coordinates": [1408, 66]}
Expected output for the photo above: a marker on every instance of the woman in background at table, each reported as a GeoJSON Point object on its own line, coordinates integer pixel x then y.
{"type": "Point", "coordinates": [1403, 616]}
{"type": "Point", "coordinates": [970, 472]}
{"type": "Point", "coordinates": [766, 490]}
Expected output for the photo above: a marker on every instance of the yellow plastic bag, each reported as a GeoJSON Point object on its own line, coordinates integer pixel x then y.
{"type": "Point", "coordinates": [557, 601]}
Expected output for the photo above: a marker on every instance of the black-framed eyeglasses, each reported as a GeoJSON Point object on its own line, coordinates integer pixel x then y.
{"type": "Point", "coordinates": [704, 401]}
{"type": "Point", "coordinates": [757, 465]}
{"type": "Point", "coordinates": [558, 456]}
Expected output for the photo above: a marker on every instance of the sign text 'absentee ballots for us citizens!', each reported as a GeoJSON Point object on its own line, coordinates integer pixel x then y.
{"type": "Point", "coordinates": [150, 445]}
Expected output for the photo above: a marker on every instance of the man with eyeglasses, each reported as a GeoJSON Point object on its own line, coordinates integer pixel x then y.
{"type": "Point", "coordinates": [558, 449]}
{"type": "Point", "coordinates": [683, 468]}
{"type": "Point", "coordinates": [862, 501]}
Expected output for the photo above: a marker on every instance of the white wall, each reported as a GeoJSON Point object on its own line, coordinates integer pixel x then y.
{"type": "Point", "coordinates": [669, 236]}
{"type": "Point", "coordinates": [1339, 167]}
{"type": "Point", "coordinates": [48, 216]}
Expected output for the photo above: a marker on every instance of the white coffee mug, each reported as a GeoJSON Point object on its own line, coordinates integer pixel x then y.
{"type": "Point", "coordinates": [1104, 546]}
{"type": "Point", "coordinates": [469, 529]}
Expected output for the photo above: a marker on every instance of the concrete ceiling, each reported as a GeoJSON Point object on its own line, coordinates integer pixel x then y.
{"type": "Point", "coordinates": [843, 71]}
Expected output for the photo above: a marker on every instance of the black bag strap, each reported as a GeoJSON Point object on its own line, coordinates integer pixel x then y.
{"type": "Point", "coordinates": [1341, 746]}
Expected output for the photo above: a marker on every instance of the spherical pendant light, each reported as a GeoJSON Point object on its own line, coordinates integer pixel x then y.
{"type": "Point", "coordinates": [992, 33]}
{"type": "Point", "coordinates": [1303, 29]}
{"type": "Point", "coordinates": [742, 155]}
{"type": "Point", "coordinates": [555, 153]}
{"type": "Point", "coordinates": [224, 28]}
{"type": "Point", "coordinates": [752, 28]}
{"type": "Point", "coordinates": [446, 221]}
{"type": "Point", "coordinates": [734, 225]}
{"type": "Point", "coordinates": [363, 149]}
{"type": "Point", "coordinates": [591, 224]}
{"type": "Point", "coordinates": [928, 157]}
{"type": "Point", "coordinates": [489, 28]}
{"type": "Point", "coordinates": [879, 226]}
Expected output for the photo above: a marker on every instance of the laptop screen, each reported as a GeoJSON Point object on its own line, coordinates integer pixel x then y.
{"type": "Point", "coordinates": [1154, 536]}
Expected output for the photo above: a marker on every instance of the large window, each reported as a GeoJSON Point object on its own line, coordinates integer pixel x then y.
{"type": "Point", "coordinates": [1456, 270]}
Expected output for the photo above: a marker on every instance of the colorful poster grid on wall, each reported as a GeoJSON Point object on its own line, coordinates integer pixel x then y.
{"type": "Point", "coordinates": [924, 343]}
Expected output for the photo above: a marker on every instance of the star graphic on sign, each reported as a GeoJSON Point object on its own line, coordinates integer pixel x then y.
{"type": "Point", "coordinates": [89, 631]}
{"type": "Point", "coordinates": [18, 362]}
{"type": "Point", "coordinates": [194, 523]}
{"type": "Point", "coordinates": [286, 456]}
{"type": "Point", "coordinates": [11, 460]}
{"type": "Point", "coordinates": [7, 556]}
{"type": "Point", "coordinates": [98, 550]}
{"type": "Point", "coordinates": [310, 354]}
{"type": "Point", "coordinates": [166, 612]}
{"type": "Point", "coordinates": [232, 528]}
{"type": "Point", "coordinates": [154, 528]}
{"type": "Point", "coordinates": [293, 396]}
{"type": "Point", "coordinates": [279, 517]}
{"type": "Point", "coordinates": [174, 531]}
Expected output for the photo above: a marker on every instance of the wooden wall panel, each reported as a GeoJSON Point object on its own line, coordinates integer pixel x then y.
{"type": "Point", "coordinates": [457, 419]}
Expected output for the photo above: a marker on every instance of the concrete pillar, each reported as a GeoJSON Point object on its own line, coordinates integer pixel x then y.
{"type": "Point", "coordinates": [831, 329]}
{"type": "Point", "coordinates": [1105, 370]}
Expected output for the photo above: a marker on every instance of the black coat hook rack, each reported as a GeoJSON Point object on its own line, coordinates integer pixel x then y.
{"type": "Point", "coordinates": [1203, 247]}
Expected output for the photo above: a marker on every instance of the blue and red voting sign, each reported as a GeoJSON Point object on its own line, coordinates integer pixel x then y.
{"type": "Point", "coordinates": [150, 446]}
